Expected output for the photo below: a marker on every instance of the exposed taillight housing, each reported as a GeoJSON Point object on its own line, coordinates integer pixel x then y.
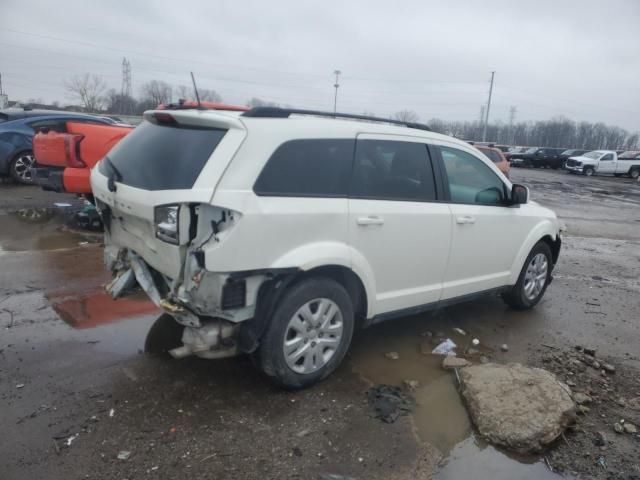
{"type": "Point", "coordinates": [72, 150]}
{"type": "Point", "coordinates": [165, 119]}
{"type": "Point", "coordinates": [166, 220]}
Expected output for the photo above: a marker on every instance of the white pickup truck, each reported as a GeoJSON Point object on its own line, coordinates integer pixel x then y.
{"type": "Point", "coordinates": [603, 162]}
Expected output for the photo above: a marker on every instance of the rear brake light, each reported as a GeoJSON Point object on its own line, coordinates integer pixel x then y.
{"type": "Point", "coordinates": [165, 119]}
{"type": "Point", "coordinates": [72, 150]}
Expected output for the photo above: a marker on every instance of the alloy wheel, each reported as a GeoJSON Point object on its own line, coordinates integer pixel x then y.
{"type": "Point", "coordinates": [313, 335]}
{"type": "Point", "coordinates": [536, 276]}
{"type": "Point", "coordinates": [22, 167]}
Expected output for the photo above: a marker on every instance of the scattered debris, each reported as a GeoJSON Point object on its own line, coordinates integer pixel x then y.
{"type": "Point", "coordinates": [411, 385]}
{"type": "Point", "coordinates": [618, 428]}
{"type": "Point", "coordinates": [601, 439]}
{"type": "Point", "coordinates": [450, 362]}
{"type": "Point", "coordinates": [589, 351]}
{"type": "Point", "coordinates": [392, 355]}
{"type": "Point", "coordinates": [459, 330]}
{"type": "Point", "coordinates": [124, 455]}
{"type": "Point", "coordinates": [112, 412]}
{"type": "Point", "coordinates": [20, 385]}
{"type": "Point", "coordinates": [520, 408]}
{"type": "Point", "coordinates": [303, 433]}
{"type": "Point", "coordinates": [70, 439]}
{"type": "Point", "coordinates": [630, 428]}
{"type": "Point", "coordinates": [484, 359]}
{"type": "Point", "coordinates": [607, 367]}
{"type": "Point", "coordinates": [582, 398]}
{"type": "Point", "coordinates": [389, 402]}
{"type": "Point", "coordinates": [445, 347]}
{"type": "Point", "coordinates": [504, 347]}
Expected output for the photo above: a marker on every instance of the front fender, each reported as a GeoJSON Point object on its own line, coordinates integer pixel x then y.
{"type": "Point", "coordinates": [545, 228]}
{"type": "Point", "coordinates": [321, 254]}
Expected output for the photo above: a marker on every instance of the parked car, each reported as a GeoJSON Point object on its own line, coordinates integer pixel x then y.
{"type": "Point", "coordinates": [629, 155]}
{"type": "Point", "coordinates": [572, 152]}
{"type": "Point", "coordinates": [539, 158]}
{"type": "Point", "coordinates": [522, 159]}
{"type": "Point", "coordinates": [514, 150]}
{"type": "Point", "coordinates": [16, 150]}
{"type": "Point", "coordinates": [64, 159]}
{"type": "Point", "coordinates": [497, 157]}
{"type": "Point", "coordinates": [276, 231]}
{"type": "Point", "coordinates": [604, 162]}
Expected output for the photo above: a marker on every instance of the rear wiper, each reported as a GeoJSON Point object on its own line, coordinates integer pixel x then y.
{"type": "Point", "coordinates": [113, 176]}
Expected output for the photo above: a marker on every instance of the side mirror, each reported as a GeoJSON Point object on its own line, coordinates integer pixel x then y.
{"type": "Point", "coordinates": [519, 194]}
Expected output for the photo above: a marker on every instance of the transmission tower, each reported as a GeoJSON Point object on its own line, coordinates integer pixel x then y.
{"type": "Point", "coordinates": [126, 78]}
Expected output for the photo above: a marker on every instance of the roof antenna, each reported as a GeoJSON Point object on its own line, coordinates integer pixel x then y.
{"type": "Point", "coordinates": [195, 88]}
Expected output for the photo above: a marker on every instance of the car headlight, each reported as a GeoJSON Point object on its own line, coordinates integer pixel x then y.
{"type": "Point", "coordinates": [166, 223]}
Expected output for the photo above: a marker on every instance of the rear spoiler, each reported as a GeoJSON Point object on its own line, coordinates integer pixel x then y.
{"type": "Point", "coordinates": [202, 118]}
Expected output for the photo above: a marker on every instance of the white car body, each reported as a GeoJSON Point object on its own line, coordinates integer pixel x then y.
{"type": "Point", "coordinates": [603, 162]}
{"type": "Point", "coordinates": [406, 255]}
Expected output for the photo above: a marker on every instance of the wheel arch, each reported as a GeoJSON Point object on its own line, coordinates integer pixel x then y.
{"type": "Point", "coordinates": [545, 232]}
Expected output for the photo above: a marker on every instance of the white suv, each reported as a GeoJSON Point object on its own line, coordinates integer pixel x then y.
{"type": "Point", "coordinates": [276, 232]}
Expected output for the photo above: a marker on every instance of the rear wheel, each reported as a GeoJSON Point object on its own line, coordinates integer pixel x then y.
{"type": "Point", "coordinates": [533, 279]}
{"type": "Point", "coordinates": [634, 173]}
{"type": "Point", "coordinates": [589, 171]}
{"type": "Point", "coordinates": [308, 335]}
{"type": "Point", "coordinates": [20, 168]}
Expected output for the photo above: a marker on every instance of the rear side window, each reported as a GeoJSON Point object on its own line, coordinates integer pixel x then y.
{"type": "Point", "coordinates": [308, 168]}
{"type": "Point", "coordinates": [391, 170]}
{"type": "Point", "coordinates": [159, 157]}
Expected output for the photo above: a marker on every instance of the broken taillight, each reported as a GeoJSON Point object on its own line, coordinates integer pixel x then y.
{"type": "Point", "coordinates": [72, 150]}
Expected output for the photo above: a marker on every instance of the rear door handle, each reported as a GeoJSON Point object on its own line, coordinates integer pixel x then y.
{"type": "Point", "coordinates": [465, 220]}
{"type": "Point", "coordinates": [370, 220]}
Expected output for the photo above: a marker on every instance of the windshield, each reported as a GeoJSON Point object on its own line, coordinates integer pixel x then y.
{"type": "Point", "coordinates": [158, 157]}
{"type": "Point", "coordinates": [531, 150]}
{"type": "Point", "coordinates": [568, 152]}
{"type": "Point", "coordinates": [595, 154]}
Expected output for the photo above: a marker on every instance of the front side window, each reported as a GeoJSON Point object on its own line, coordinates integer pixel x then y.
{"type": "Point", "coordinates": [608, 156]}
{"type": "Point", "coordinates": [392, 170]}
{"type": "Point", "coordinates": [308, 168]}
{"type": "Point", "coordinates": [470, 179]}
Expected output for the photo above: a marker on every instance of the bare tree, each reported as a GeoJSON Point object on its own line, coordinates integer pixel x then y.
{"type": "Point", "coordinates": [88, 89]}
{"type": "Point", "coordinates": [116, 102]}
{"type": "Point", "coordinates": [183, 92]}
{"type": "Point", "coordinates": [258, 102]}
{"type": "Point", "coordinates": [156, 92]}
{"type": "Point", "coordinates": [406, 116]}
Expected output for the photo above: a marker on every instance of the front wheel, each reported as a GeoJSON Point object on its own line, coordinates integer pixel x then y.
{"type": "Point", "coordinates": [20, 168]}
{"type": "Point", "coordinates": [589, 171]}
{"type": "Point", "coordinates": [634, 173]}
{"type": "Point", "coordinates": [308, 335]}
{"type": "Point", "coordinates": [533, 279]}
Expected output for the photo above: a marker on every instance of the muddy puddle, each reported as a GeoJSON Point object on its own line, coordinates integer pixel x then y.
{"type": "Point", "coordinates": [439, 417]}
{"type": "Point", "coordinates": [38, 229]}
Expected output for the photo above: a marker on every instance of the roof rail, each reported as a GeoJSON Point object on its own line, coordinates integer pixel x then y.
{"type": "Point", "coordinates": [276, 112]}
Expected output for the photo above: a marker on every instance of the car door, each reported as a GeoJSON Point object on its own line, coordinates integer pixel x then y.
{"type": "Point", "coordinates": [606, 164]}
{"type": "Point", "coordinates": [487, 233]}
{"type": "Point", "coordinates": [399, 232]}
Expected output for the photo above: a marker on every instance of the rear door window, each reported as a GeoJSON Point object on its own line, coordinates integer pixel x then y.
{"type": "Point", "coordinates": [162, 157]}
{"type": "Point", "coordinates": [308, 168]}
{"type": "Point", "coordinates": [393, 170]}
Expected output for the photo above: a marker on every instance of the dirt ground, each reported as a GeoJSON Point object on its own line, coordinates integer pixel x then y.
{"type": "Point", "coordinates": [77, 393]}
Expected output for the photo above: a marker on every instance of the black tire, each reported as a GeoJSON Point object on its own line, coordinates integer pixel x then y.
{"type": "Point", "coordinates": [17, 167]}
{"type": "Point", "coordinates": [617, 174]}
{"type": "Point", "coordinates": [588, 171]}
{"type": "Point", "coordinates": [516, 297]}
{"type": "Point", "coordinates": [271, 358]}
{"type": "Point", "coordinates": [164, 335]}
{"type": "Point", "coordinates": [634, 173]}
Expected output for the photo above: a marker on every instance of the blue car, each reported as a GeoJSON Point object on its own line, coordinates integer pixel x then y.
{"type": "Point", "coordinates": [16, 135]}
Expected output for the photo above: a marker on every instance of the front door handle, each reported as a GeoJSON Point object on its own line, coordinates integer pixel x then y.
{"type": "Point", "coordinates": [465, 220]}
{"type": "Point", "coordinates": [370, 220]}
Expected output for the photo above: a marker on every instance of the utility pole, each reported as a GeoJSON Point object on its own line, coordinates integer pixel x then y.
{"type": "Point", "coordinates": [512, 121]}
{"type": "Point", "coordinates": [486, 118]}
{"type": "Point", "coordinates": [125, 91]}
{"type": "Point", "coordinates": [336, 86]}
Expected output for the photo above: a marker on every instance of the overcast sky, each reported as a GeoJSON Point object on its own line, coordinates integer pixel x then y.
{"type": "Point", "coordinates": [576, 58]}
